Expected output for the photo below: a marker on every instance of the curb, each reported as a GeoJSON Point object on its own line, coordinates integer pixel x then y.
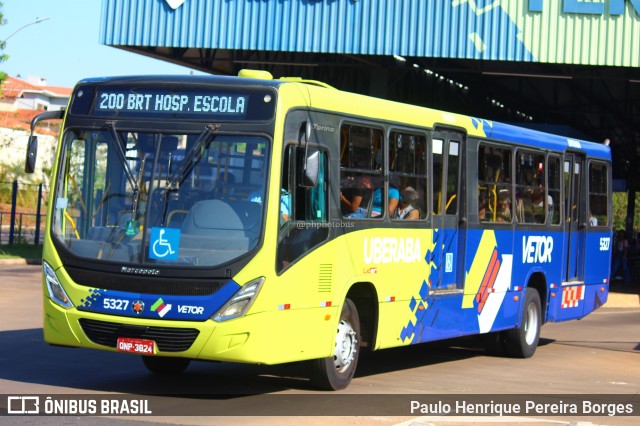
{"type": "Point", "coordinates": [622, 300]}
{"type": "Point", "coordinates": [20, 262]}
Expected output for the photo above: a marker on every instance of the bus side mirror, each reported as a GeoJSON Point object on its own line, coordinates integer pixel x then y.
{"type": "Point", "coordinates": [32, 154]}
{"type": "Point", "coordinates": [32, 144]}
{"type": "Point", "coordinates": [308, 177]}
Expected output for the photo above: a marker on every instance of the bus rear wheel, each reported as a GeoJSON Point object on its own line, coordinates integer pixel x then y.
{"type": "Point", "coordinates": [165, 365]}
{"type": "Point", "coordinates": [336, 372]}
{"type": "Point", "coordinates": [522, 342]}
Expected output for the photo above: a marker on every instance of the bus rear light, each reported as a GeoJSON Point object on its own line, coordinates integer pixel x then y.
{"type": "Point", "coordinates": [240, 303]}
{"type": "Point", "coordinates": [56, 292]}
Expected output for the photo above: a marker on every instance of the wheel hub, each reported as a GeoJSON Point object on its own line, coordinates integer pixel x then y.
{"type": "Point", "coordinates": [346, 344]}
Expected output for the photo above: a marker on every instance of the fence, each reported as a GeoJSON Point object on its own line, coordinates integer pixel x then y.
{"type": "Point", "coordinates": [22, 220]}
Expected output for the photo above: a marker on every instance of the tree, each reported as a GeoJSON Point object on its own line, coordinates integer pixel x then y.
{"type": "Point", "coordinates": [3, 56]}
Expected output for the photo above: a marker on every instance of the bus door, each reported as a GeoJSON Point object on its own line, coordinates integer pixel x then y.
{"type": "Point", "coordinates": [575, 216]}
{"type": "Point", "coordinates": [447, 273]}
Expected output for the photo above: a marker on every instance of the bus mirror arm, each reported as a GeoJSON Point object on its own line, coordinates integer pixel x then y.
{"type": "Point", "coordinates": [310, 166]}
{"type": "Point", "coordinates": [32, 144]}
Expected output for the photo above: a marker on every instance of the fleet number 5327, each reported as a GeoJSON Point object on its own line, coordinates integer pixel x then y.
{"type": "Point", "coordinates": [115, 304]}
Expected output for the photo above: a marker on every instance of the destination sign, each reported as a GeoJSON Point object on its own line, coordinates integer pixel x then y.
{"type": "Point", "coordinates": [126, 102]}
{"type": "Point", "coordinates": [173, 100]}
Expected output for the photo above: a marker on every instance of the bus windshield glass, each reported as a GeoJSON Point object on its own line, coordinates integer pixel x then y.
{"type": "Point", "coordinates": [176, 199]}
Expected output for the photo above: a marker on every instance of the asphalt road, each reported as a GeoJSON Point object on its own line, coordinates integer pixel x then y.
{"type": "Point", "coordinates": [598, 355]}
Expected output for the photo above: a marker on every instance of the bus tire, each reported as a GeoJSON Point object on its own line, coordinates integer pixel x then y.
{"type": "Point", "coordinates": [336, 372]}
{"type": "Point", "coordinates": [522, 342]}
{"type": "Point", "coordinates": [494, 343]}
{"type": "Point", "coordinates": [165, 365]}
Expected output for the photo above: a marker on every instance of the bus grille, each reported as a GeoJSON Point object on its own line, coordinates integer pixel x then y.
{"type": "Point", "coordinates": [167, 339]}
{"type": "Point", "coordinates": [144, 285]}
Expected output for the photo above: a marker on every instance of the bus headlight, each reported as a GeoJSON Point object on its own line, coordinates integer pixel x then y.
{"type": "Point", "coordinates": [240, 302]}
{"type": "Point", "coordinates": [56, 292]}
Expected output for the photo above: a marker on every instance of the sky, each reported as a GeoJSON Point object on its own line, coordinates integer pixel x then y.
{"type": "Point", "coordinates": [65, 48]}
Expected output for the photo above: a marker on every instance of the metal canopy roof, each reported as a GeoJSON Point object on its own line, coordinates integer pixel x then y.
{"type": "Point", "coordinates": [506, 63]}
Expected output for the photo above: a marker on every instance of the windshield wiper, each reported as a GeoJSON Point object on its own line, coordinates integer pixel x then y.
{"type": "Point", "coordinates": [191, 158]}
{"type": "Point", "coordinates": [187, 164]}
{"type": "Point", "coordinates": [123, 158]}
{"type": "Point", "coordinates": [131, 226]}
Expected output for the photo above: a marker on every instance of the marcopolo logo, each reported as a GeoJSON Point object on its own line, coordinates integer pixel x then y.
{"type": "Point", "coordinates": [537, 249]}
{"type": "Point", "coordinates": [615, 7]}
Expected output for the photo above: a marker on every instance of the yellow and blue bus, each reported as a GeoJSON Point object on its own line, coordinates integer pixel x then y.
{"type": "Point", "coordinates": [260, 220]}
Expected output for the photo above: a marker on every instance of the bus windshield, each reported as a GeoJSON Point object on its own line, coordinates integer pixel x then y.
{"type": "Point", "coordinates": [180, 199]}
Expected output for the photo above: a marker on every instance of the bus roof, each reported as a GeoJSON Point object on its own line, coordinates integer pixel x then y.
{"type": "Point", "coordinates": [180, 79]}
{"type": "Point", "coordinates": [474, 126]}
{"type": "Point", "coordinates": [542, 140]}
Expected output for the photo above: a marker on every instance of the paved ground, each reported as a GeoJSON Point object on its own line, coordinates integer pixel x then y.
{"type": "Point", "coordinates": [597, 356]}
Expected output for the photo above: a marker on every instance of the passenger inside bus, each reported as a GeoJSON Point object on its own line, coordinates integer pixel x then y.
{"type": "Point", "coordinates": [285, 202]}
{"type": "Point", "coordinates": [504, 211]}
{"type": "Point", "coordinates": [356, 196]}
{"type": "Point", "coordinates": [538, 205]}
{"type": "Point", "coordinates": [378, 200]}
{"type": "Point", "coordinates": [406, 206]}
{"type": "Point", "coordinates": [225, 184]}
{"type": "Point", "coordinates": [519, 209]}
{"type": "Point", "coordinates": [482, 208]}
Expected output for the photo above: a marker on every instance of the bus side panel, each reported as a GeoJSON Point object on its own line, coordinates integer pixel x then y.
{"type": "Point", "coordinates": [431, 318]}
{"type": "Point", "coordinates": [594, 297]}
{"type": "Point", "coordinates": [395, 262]}
{"type": "Point", "coordinates": [598, 257]}
{"type": "Point", "coordinates": [576, 300]}
{"type": "Point", "coordinates": [488, 303]}
{"type": "Point", "coordinates": [572, 301]}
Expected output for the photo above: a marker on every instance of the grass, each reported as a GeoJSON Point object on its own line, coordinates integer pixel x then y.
{"type": "Point", "coordinates": [20, 251]}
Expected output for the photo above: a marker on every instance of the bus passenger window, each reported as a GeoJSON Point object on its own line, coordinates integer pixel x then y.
{"type": "Point", "coordinates": [533, 203]}
{"type": "Point", "coordinates": [407, 175]}
{"type": "Point", "coordinates": [495, 192]}
{"type": "Point", "coordinates": [554, 176]}
{"type": "Point", "coordinates": [598, 191]}
{"type": "Point", "coordinates": [361, 183]}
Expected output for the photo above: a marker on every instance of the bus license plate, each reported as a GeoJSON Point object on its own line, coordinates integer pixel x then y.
{"type": "Point", "coordinates": [136, 346]}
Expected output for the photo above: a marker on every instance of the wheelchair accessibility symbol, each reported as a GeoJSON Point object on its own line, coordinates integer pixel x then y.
{"type": "Point", "coordinates": [164, 243]}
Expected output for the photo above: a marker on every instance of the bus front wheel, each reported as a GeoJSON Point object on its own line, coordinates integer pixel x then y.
{"type": "Point", "coordinates": [336, 371]}
{"type": "Point", "coordinates": [165, 365]}
{"type": "Point", "coordinates": [522, 342]}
